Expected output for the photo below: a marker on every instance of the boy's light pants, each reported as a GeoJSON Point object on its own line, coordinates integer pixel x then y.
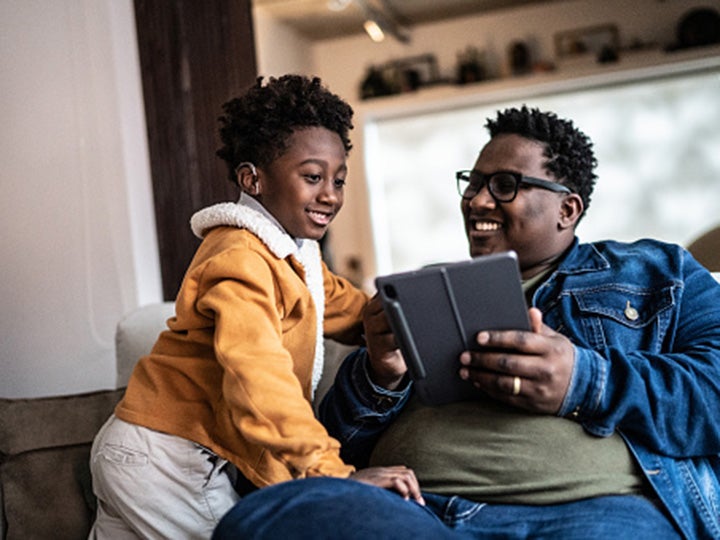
{"type": "Point", "coordinates": [153, 485]}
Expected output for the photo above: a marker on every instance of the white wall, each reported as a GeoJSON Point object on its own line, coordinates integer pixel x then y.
{"type": "Point", "coordinates": [279, 48]}
{"type": "Point", "coordinates": [342, 63]}
{"type": "Point", "coordinates": [78, 245]}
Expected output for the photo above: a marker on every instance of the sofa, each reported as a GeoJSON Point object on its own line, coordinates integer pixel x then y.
{"type": "Point", "coordinates": [45, 483]}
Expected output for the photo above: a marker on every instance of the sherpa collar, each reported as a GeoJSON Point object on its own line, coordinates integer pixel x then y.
{"type": "Point", "coordinates": [246, 215]}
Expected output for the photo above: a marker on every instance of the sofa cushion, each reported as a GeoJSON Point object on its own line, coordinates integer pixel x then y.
{"type": "Point", "coordinates": [335, 353]}
{"type": "Point", "coordinates": [136, 334]}
{"type": "Point", "coordinates": [44, 470]}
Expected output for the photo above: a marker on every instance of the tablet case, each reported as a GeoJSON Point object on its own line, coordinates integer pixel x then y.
{"type": "Point", "coordinates": [437, 311]}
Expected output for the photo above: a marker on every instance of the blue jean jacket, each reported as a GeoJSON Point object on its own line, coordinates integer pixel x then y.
{"type": "Point", "coordinates": [645, 322]}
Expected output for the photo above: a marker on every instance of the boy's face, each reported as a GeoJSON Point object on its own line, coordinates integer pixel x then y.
{"type": "Point", "coordinates": [303, 188]}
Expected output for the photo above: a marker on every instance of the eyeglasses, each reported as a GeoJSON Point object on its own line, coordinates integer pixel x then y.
{"type": "Point", "coordinates": [503, 186]}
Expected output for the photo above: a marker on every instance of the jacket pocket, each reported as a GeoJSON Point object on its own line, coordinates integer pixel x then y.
{"type": "Point", "coordinates": [634, 318]}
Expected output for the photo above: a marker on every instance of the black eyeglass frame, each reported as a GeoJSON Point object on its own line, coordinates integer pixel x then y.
{"type": "Point", "coordinates": [464, 177]}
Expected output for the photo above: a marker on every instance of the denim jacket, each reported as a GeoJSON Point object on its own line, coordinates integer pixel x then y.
{"type": "Point", "coordinates": [645, 322]}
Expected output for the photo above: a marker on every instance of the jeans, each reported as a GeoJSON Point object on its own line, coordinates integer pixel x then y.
{"type": "Point", "coordinates": [331, 508]}
{"type": "Point", "coordinates": [616, 517]}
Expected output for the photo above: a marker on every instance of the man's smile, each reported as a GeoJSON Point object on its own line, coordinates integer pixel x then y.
{"type": "Point", "coordinates": [486, 226]}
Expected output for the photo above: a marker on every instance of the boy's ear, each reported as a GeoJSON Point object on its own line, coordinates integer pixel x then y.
{"type": "Point", "coordinates": [571, 209]}
{"type": "Point", "coordinates": [247, 178]}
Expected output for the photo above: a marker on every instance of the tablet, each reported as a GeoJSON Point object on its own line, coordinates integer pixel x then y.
{"type": "Point", "coordinates": [437, 311]}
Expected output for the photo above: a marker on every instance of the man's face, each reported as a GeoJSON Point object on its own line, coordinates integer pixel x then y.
{"type": "Point", "coordinates": [303, 188]}
{"type": "Point", "coordinates": [534, 224]}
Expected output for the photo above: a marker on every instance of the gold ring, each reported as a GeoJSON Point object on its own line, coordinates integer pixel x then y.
{"type": "Point", "coordinates": [517, 382]}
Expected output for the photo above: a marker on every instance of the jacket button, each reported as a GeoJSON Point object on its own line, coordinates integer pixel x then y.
{"type": "Point", "coordinates": [630, 312]}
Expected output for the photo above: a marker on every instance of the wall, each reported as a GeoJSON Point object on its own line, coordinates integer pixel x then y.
{"type": "Point", "coordinates": [342, 63]}
{"type": "Point", "coordinates": [78, 247]}
{"type": "Point", "coordinates": [278, 48]}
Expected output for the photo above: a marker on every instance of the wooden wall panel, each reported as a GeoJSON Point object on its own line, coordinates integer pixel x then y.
{"type": "Point", "coordinates": [194, 56]}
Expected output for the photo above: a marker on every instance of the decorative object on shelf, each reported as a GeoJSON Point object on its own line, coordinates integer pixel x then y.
{"type": "Point", "coordinates": [520, 58]}
{"type": "Point", "coordinates": [375, 85]}
{"type": "Point", "coordinates": [591, 40]}
{"type": "Point", "coordinates": [470, 66]}
{"type": "Point", "coordinates": [543, 66]}
{"type": "Point", "coordinates": [607, 55]}
{"type": "Point", "coordinates": [696, 28]}
{"type": "Point", "coordinates": [399, 76]}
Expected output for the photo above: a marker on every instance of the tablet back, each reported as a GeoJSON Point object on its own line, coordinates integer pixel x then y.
{"type": "Point", "coordinates": [436, 313]}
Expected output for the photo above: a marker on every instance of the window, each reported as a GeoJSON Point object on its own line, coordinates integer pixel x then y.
{"type": "Point", "coordinates": [656, 141]}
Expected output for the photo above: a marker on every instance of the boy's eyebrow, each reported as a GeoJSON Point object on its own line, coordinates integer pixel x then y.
{"type": "Point", "coordinates": [317, 161]}
{"type": "Point", "coordinates": [321, 162]}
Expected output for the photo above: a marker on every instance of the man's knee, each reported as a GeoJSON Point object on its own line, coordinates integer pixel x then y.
{"type": "Point", "coordinates": [326, 508]}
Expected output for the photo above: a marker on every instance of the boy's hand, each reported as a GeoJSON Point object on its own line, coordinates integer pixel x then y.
{"type": "Point", "coordinates": [396, 478]}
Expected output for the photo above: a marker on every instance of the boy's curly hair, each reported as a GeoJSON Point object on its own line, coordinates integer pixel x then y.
{"type": "Point", "coordinates": [256, 125]}
{"type": "Point", "coordinates": [569, 151]}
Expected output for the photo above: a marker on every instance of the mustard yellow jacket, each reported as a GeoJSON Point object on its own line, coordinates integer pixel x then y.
{"type": "Point", "coordinates": [235, 371]}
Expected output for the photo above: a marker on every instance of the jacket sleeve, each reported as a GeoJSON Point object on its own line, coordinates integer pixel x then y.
{"type": "Point", "coordinates": [344, 304]}
{"type": "Point", "coordinates": [356, 412]}
{"type": "Point", "coordinates": [264, 396]}
{"type": "Point", "coordinates": [669, 400]}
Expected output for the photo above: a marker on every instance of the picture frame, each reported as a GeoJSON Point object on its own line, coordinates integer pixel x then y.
{"type": "Point", "coordinates": [588, 40]}
{"type": "Point", "coordinates": [413, 72]}
{"type": "Point", "coordinates": [400, 76]}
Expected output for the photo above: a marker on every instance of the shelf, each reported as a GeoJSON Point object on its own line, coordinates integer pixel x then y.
{"type": "Point", "coordinates": [569, 76]}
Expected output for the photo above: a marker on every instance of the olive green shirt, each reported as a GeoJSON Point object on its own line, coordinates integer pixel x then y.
{"type": "Point", "coordinates": [491, 452]}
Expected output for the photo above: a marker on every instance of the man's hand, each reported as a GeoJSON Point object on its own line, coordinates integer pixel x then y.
{"type": "Point", "coordinates": [397, 478]}
{"type": "Point", "coordinates": [387, 366]}
{"type": "Point", "coordinates": [530, 370]}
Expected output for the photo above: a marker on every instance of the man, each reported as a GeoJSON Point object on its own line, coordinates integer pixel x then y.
{"type": "Point", "coordinates": [603, 421]}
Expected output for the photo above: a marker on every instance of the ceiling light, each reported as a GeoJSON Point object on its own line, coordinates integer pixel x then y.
{"type": "Point", "coordinates": [374, 31]}
{"type": "Point", "coordinates": [380, 20]}
{"type": "Point", "coordinates": [338, 5]}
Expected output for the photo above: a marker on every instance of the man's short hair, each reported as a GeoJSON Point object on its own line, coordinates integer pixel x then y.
{"type": "Point", "coordinates": [569, 152]}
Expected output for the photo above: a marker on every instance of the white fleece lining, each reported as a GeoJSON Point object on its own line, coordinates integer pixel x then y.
{"type": "Point", "coordinates": [243, 216]}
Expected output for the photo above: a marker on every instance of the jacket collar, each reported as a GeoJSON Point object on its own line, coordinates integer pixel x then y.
{"type": "Point", "coordinates": [581, 258]}
{"type": "Point", "coordinates": [248, 214]}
